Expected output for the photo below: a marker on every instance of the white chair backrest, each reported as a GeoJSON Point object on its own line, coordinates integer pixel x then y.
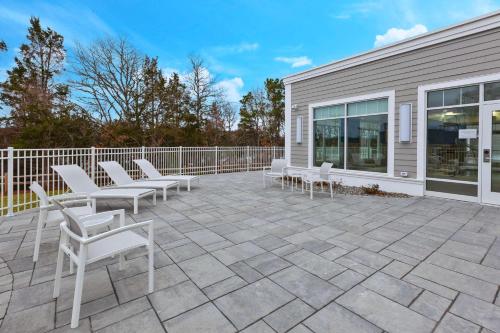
{"type": "Point", "coordinates": [73, 223]}
{"type": "Point", "coordinates": [277, 165]}
{"type": "Point", "coordinates": [116, 172]}
{"type": "Point", "coordinates": [40, 192]}
{"type": "Point", "coordinates": [148, 168]}
{"type": "Point", "coordinates": [76, 178]}
{"type": "Point", "coordinates": [324, 169]}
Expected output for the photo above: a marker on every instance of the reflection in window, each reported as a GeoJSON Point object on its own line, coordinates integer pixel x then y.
{"type": "Point", "coordinates": [495, 152]}
{"type": "Point", "coordinates": [366, 123]}
{"type": "Point", "coordinates": [367, 143]}
{"type": "Point", "coordinates": [329, 142]}
{"type": "Point", "coordinates": [449, 156]}
{"type": "Point", "coordinates": [454, 96]}
{"type": "Point", "coordinates": [492, 91]}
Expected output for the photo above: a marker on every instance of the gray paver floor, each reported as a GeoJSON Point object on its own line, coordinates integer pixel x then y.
{"type": "Point", "coordinates": [232, 256]}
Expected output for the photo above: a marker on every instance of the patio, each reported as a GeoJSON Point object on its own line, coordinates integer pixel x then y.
{"type": "Point", "coordinates": [232, 256]}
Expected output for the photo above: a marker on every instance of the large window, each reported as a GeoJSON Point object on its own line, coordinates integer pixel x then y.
{"type": "Point", "coordinates": [452, 140]}
{"type": "Point", "coordinates": [364, 124]}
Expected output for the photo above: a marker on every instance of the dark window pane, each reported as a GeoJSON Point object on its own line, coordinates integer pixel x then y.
{"type": "Point", "coordinates": [452, 96]}
{"type": "Point", "coordinates": [434, 98]}
{"type": "Point", "coordinates": [470, 95]}
{"type": "Point", "coordinates": [453, 188]}
{"type": "Point", "coordinates": [367, 143]}
{"type": "Point", "coordinates": [492, 91]}
{"type": "Point", "coordinates": [329, 142]}
{"type": "Point", "coordinates": [448, 155]}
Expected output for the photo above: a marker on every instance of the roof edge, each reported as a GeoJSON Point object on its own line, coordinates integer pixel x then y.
{"type": "Point", "coordinates": [464, 28]}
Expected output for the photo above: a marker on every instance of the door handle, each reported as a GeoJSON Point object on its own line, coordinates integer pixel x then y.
{"type": "Point", "coordinates": [486, 156]}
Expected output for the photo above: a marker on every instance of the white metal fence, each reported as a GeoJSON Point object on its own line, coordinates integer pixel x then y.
{"type": "Point", "coordinates": [20, 167]}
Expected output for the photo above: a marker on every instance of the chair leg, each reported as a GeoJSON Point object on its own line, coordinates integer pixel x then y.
{"type": "Point", "coordinates": [178, 187]}
{"type": "Point", "coordinates": [121, 262]}
{"type": "Point", "coordinates": [77, 300]}
{"type": "Point", "coordinates": [136, 205]}
{"type": "Point", "coordinates": [151, 256]}
{"type": "Point", "coordinates": [322, 190]}
{"type": "Point", "coordinates": [283, 183]}
{"type": "Point", "coordinates": [189, 185]}
{"type": "Point", "coordinates": [38, 239]}
{"type": "Point", "coordinates": [154, 199]}
{"type": "Point", "coordinates": [311, 185]}
{"type": "Point", "coordinates": [94, 206]}
{"type": "Point", "coordinates": [331, 190]}
{"type": "Point", "coordinates": [59, 267]}
{"type": "Point", "coordinates": [165, 194]}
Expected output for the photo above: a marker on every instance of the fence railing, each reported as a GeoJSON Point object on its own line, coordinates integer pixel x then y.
{"type": "Point", "coordinates": [20, 167]}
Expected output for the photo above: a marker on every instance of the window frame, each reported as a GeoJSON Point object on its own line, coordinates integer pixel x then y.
{"type": "Point", "coordinates": [390, 96]}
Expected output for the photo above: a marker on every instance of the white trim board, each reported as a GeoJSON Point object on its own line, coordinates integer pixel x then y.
{"type": "Point", "coordinates": [469, 27]}
{"type": "Point", "coordinates": [288, 123]}
{"type": "Point", "coordinates": [390, 95]}
{"type": "Point", "coordinates": [389, 184]}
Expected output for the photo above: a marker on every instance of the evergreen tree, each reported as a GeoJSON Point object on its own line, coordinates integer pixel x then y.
{"type": "Point", "coordinates": [39, 106]}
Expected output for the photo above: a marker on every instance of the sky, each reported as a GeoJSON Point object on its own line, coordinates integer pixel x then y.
{"type": "Point", "coordinates": [243, 42]}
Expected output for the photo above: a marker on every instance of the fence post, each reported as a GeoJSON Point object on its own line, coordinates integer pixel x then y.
{"type": "Point", "coordinates": [248, 158]}
{"type": "Point", "coordinates": [143, 152]}
{"type": "Point", "coordinates": [216, 158]}
{"type": "Point", "coordinates": [180, 160]}
{"type": "Point", "coordinates": [274, 152]}
{"type": "Point", "coordinates": [10, 181]}
{"type": "Point", "coordinates": [92, 163]}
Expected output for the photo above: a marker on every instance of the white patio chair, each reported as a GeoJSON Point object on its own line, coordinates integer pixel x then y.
{"type": "Point", "coordinates": [50, 214]}
{"type": "Point", "coordinates": [153, 174]}
{"type": "Point", "coordinates": [121, 178]}
{"type": "Point", "coordinates": [322, 177]}
{"type": "Point", "coordinates": [79, 182]}
{"type": "Point", "coordinates": [276, 170]}
{"type": "Point", "coordinates": [83, 250]}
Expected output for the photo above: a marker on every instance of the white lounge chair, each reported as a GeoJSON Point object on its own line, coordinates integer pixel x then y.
{"type": "Point", "coordinates": [49, 214]}
{"type": "Point", "coordinates": [79, 182]}
{"type": "Point", "coordinates": [83, 250]}
{"type": "Point", "coordinates": [153, 174]}
{"type": "Point", "coordinates": [121, 178]}
{"type": "Point", "coordinates": [323, 176]}
{"type": "Point", "coordinates": [277, 170]}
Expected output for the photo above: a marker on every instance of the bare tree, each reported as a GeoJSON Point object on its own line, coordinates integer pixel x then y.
{"type": "Point", "coordinates": [201, 86]}
{"type": "Point", "coordinates": [229, 113]}
{"type": "Point", "coordinates": [110, 78]}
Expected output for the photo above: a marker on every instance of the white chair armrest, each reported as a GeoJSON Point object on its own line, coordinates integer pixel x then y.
{"type": "Point", "coordinates": [71, 203]}
{"type": "Point", "coordinates": [118, 230]}
{"type": "Point", "coordinates": [68, 196]}
{"type": "Point", "coordinates": [117, 212]}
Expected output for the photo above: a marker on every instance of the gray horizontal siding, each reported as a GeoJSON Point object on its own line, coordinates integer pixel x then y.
{"type": "Point", "coordinates": [460, 58]}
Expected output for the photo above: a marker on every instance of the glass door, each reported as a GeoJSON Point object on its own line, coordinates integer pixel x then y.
{"type": "Point", "coordinates": [491, 154]}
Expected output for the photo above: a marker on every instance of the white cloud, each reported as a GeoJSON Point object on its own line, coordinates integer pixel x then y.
{"type": "Point", "coordinates": [295, 61]}
{"type": "Point", "coordinates": [234, 49]}
{"type": "Point", "coordinates": [396, 34]}
{"type": "Point", "coordinates": [243, 47]}
{"type": "Point", "coordinates": [232, 88]}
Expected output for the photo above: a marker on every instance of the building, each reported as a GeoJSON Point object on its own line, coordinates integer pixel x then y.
{"type": "Point", "coordinates": [421, 116]}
